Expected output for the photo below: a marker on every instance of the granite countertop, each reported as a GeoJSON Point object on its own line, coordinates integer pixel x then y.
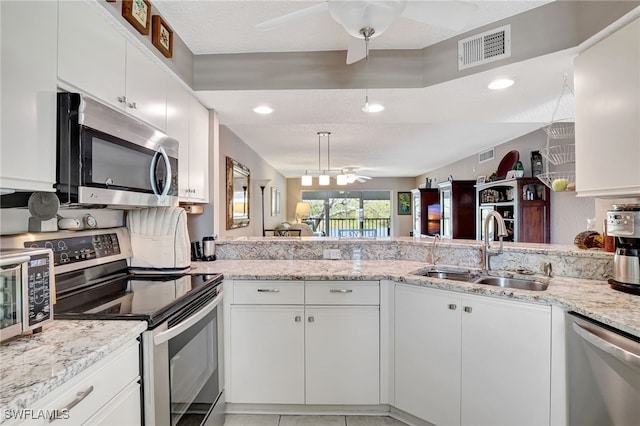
{"type": "Point", "coordinates": [33, 365]}
{"type": "Point", "coordinates": [592, 298]}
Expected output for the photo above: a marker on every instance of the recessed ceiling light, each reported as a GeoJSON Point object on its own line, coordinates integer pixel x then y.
{"type": "Point", "coordinates": [263, 109]}
{"type": "Point", "coordinates": [501, 83]}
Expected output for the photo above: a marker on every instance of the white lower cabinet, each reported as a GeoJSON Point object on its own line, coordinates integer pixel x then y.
{"type": "Point", "coordinates": [267, 346]}
{"type": "Point", "coordinates": [470, 360]}
{"type": "Point", "coordinates": [342, 355]}
{"type": "Point", "coordinates": [107, 393]}
{"type": "Point", "coordinates": [284, 351]}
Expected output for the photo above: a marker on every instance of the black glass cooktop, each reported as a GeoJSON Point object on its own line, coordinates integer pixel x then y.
{"type": "Point", "coordinates": [153, 298]}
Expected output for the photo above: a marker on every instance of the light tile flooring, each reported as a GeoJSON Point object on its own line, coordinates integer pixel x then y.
{"type": "Point", "coordinates": [291, 420]}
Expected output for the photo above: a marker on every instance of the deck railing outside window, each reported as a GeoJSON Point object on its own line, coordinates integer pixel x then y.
{"type": "Point", "coordinates": [349, 227]}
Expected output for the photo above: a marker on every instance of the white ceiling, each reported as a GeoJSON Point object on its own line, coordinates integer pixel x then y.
{"type": "Point", "coordinates": [420, 129]}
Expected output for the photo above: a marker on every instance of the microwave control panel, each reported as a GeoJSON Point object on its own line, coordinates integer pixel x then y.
{"type": "Point", "coordinates": [79, 249]}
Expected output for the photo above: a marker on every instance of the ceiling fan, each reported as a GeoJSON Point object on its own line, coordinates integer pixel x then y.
{"type": "Point", "coordinates": [353, 177]}
{"type": "Point", "coordinates": [366, 19]}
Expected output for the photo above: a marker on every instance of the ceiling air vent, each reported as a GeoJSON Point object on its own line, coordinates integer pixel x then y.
{"type": "Point", "coordinates": [486, 155]}
{"type": "Point", "coordinates": [484, 48]}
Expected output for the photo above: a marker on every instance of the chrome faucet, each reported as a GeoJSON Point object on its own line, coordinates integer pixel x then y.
{"type": "Point", "coordinates": [501, 232]}
{"type": "Point", "coordinates": [432, 257]}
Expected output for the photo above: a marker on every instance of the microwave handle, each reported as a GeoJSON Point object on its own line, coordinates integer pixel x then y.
{"type": "Point", "coordinates": [152, 175]}
{"type": "Point", "coordinates": [12, 260]}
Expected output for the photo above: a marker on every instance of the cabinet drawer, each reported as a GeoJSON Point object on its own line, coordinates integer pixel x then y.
{"type": "Point", "coordinates": [342, 293]}
{"type": "Point", "coordinates": [268, 292]}
{"type": "Point", "coordinates": [87, 393]}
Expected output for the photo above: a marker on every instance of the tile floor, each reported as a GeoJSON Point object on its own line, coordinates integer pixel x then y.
{"type": "Point", "coordinates": [291, 420]}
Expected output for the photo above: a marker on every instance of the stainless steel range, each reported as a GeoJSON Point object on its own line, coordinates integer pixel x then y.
{"type": "Point", "coordinates": [182, 381]}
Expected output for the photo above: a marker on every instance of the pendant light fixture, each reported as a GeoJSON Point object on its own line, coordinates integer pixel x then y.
{"type": "Point", "coordinates": [324, 175]}
{"type": "Point", "coordinates": [367, 107]}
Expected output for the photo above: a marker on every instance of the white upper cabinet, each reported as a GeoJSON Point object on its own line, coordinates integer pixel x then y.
{"type": "Point", "coordinates": [198, 152]}
{"type": "Point", "coordinates": [95, 58]}
{"type": "Point", "coordinates": [188, 123]}
{"type": "Point", "coordinates": [607, 91]}
{"type": "Point", "coordinates": [28, 120]}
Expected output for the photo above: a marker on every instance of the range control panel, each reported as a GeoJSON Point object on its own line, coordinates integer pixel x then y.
{"type": "Point", "coordinates": [77, 249]}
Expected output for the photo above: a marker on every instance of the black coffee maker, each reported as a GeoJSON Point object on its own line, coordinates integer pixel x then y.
{"type": "Point", "coordinates": [623, 222]}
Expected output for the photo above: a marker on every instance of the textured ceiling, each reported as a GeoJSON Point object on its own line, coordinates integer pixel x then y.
{"type": "Point", "coordinates": [420, 130]}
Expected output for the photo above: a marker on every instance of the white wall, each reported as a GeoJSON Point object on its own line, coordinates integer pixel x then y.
{"type": "Point", "coordinates": [400, 225]}
{"type": "Point", "coordinates": [231, 145]}
{"type": "Point", "coordinates": [568, 212]}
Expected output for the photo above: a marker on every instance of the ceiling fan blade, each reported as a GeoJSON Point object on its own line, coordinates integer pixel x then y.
{"type": "Point", "coordinates": [452, 15]}
{"type": "Point", "coordinates": [293, 16]}
{"type": "Point", "coordinates": [356, 50]}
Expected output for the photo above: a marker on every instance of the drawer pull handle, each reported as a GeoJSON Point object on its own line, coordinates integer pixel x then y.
{"type": "Point", "coordinates": [311, 319]}
{"type": "Point", "coordinates": [453, 306]}
{"type": "Point", "coordinates": [340, 290]}
{"type": "Point", "coordinates": [77, 400]}
{"type": "Point", "coordinates": [298, 318]}
{"type": "Point", "coordinates": [268, 290]}
{"type": "Point", "coordinates": [468, 309]}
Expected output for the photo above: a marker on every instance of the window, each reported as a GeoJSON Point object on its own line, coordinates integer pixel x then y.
{"type": "Point", "coordinates": [350, 213]}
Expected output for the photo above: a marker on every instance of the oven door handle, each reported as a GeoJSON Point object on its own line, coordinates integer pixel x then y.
{"type": "Point", "coordinates": [165, 336]}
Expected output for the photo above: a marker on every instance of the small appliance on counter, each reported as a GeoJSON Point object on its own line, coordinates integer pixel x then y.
{"type": "Point", "coordinates": [208, 249]}
{"type": "Point", "coordinates": [27, 290]}
{"type": "Point", "coordinates": [623, 222]}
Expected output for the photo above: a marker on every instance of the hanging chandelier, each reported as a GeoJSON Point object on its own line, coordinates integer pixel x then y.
{"type": "Point", "coordinates": [367, 33]}
{"type": "Point", "coordinates": [324, 175]}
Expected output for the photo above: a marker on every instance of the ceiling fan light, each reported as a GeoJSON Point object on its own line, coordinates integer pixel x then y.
{"type": "Point", "coordinates": [501, 83]}
{"type": "Point", "coordinates": [351, 178]}
{"type": "Point", "coordinates": [263, 109]}
{"type": "Point", "coordinates": [341, 179]}
{"type": "Point", "coordinates": [367, 107]}
{"type": "Point", "coordinates": [324, 180]}
{"type": "Point", "coordinates": [306, 180]}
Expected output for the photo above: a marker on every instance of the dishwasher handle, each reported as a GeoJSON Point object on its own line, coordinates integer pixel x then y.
{"type": "Point", "coordinates": [628, 356]}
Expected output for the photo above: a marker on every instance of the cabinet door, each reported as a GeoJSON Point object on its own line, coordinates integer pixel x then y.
{"type": "Point", "coordinates": [178, 128]}
{"type": "Point", "coordinates": [123, 410]}
{"type": "Point", "coordinates": [91, 53]}
{"type": "Point", "coordinates": [427, 354]}
{"type": "Point", "coordinates": [198, 151]}
{"type": "Point", "coordinates": [29, 85]}
{"type": "Point", "coordinates": [506, 362]}
{"type": "Point", "coordinates": [145, 88]}
{"type": "Point", "coordinates": [533, 224]}
{"type": "Point", "coordinates": [267, 355]}
{"type": "Point", "coordinates": [343, 355]}
{"type": "Point", "coordinates": [607, 91]}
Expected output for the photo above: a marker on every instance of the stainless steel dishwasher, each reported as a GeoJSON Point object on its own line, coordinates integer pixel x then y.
{"type": "Point", "coordinates": [603, 374]}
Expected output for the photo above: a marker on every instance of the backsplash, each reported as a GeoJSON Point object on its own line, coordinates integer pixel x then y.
{"type": "Point", "coordinates": [566, 261]}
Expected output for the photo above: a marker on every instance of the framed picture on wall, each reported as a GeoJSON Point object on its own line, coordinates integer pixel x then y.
{"type": "Point", "coordinates": [162, 36]}
{"type": "Point", "coordinates": [404, 203]}
{"type": "Point", "coordinates": [138, 14]}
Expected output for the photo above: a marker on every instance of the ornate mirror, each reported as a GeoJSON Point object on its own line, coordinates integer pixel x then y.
{"type": "Point", "coordinates": [238, 181]}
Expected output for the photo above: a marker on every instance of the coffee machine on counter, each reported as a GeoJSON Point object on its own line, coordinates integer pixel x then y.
{"type": "Point", "coordinates": [623, 222]}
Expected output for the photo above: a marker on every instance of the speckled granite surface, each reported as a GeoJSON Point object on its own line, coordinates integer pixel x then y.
{"type": "Point", "coordinates": [592, 298]}
{"type": "Point", "coordinates": [31, 366]}
{"type": "Point", "coordinates": [567, 261]}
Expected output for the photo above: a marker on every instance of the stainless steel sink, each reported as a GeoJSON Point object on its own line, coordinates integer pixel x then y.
{"type": "Point", "coordinates": [518, 283]}
{"type": "Point", "coordinates": [446, 274]}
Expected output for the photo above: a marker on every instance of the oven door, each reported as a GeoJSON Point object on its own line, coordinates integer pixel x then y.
{"type": "Point", "coordinates": [181, 368]}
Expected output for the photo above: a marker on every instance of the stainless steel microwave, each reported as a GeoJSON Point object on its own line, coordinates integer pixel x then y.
{"type": "Point", "coordinates": [27, 290]}
{"type": "Point", "coordinates": [105, 157]}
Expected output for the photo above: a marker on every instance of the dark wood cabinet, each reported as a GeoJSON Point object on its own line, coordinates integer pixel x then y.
{"type": "Point", "coordinates": [426, 211]}
{"type": "Point", "coordinates": [458, 209]}
{"type": "Point", "coordinates": [524, 203]}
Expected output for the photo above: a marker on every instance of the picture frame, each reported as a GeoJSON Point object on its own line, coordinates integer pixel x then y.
{"type": "Point", "coordinates": [481, 180]}
{"type": "Point", "coordinates": [162, 36]}
{"type": "Point", "coordinates": [275, 202]}
{"type": "Point", "coordinates": [511, 174]}
{"type": "Point", "coordinates": [404, 203]}
{"type": "Point", "coordinates": [138, 14]}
